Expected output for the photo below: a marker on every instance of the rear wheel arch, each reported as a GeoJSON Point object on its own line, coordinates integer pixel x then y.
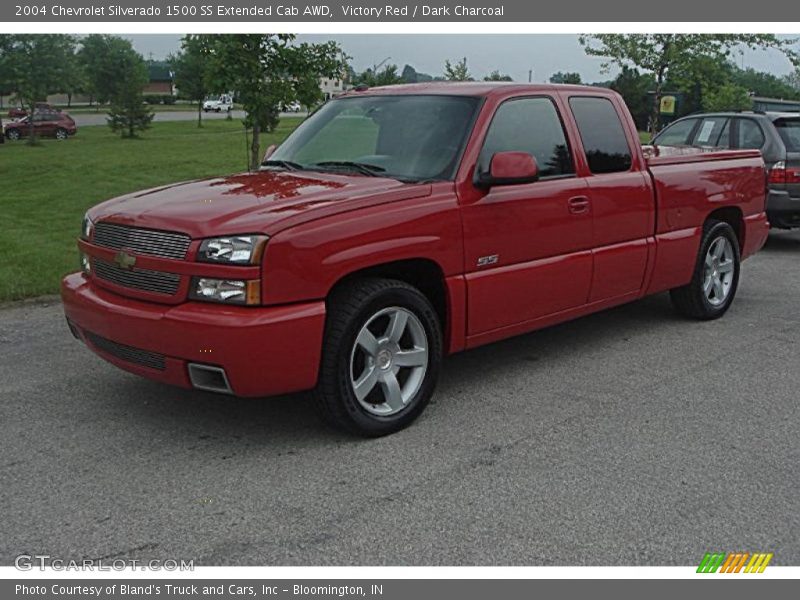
{"type": "Point", "coordinates": [733, 216]}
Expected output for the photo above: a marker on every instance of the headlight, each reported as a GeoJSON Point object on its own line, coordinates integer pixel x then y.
{"type": "Point", "coordinates": [228, 291]}
{"type": "Point", "coordinates": [234, 249]}
{"type": "Point", "coordinates": [86, 228]}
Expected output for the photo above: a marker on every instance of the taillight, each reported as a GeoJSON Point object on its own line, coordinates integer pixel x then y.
{"type": "Point", "coordinates": [781, 174]}
{"type": "Point", "coordinates": [777, 174]}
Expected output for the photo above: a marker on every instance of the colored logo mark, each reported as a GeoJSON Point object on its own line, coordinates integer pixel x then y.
{"type": "Point", "coordinates": [734, 562]}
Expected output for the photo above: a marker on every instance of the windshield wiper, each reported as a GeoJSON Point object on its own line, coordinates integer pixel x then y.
{"type": "Point", "coordinates": [364, 168]}
{"type": "Point", "coordinates": [283, 164]}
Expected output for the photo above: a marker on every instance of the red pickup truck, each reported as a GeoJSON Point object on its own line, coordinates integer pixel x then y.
{"type": "Point", "coordinates": [400, 224]}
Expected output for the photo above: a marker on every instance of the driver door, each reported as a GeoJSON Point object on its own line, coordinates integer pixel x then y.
{"type": "Point", "coordinates": [528, 247]}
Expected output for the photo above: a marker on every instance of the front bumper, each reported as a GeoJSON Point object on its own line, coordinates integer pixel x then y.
{"type": "Point", "coordinates": [783, 209]}
{"type": "Point", "coordinates": [263, 351]}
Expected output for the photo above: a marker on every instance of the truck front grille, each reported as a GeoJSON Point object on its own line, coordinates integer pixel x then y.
{"type": "Point", "coordinates": [163, 244]}
{"type": "Point", "coordinates": [127, 353]}
{"type": "Point", "coordinates": [158, 282]}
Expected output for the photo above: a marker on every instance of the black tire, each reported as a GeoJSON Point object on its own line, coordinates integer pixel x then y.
{"type": "Point", "coordinates": [691, 300]}
{"type": "Point", "coordinates": [13, 134]}
{"type": "Point", "coordinates": [61, 133]}
{"type": "Point", "coordinates": [349, 308]}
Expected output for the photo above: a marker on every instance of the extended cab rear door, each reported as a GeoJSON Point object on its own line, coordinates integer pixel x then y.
{"type": "Point", "coordinates": [621, 198]}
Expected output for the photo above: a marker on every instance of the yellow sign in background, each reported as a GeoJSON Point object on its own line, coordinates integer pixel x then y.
{"type": "Point", "coordinates": [667, 106]}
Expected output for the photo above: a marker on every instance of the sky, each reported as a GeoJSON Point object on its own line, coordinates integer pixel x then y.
{"type": "Point", "coordinates": [515, 54]}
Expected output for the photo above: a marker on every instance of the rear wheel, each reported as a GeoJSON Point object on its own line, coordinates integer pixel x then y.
{"type": "Point", "coordinates": [12, 134]}
{"type": "Point", "coordinates": [381, 357]}
{"type": "Point", "coordinates": [716, 275]}
{"type": "Point", "coordinates": [61, 133]}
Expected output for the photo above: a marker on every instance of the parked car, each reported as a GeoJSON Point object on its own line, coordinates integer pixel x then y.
{"type": "Point", "coordinates": [18, 112]}
{"type": "Point", "coordinates": [292, 107]}
{"type": "Point", "coordinates": [45, 124]}
{"type": "Point", "coordinates": [776, 135]}
{"type": "Point", "coordinates": [460, 214]}
{"type": "Point", "coordinates": [219, 104]}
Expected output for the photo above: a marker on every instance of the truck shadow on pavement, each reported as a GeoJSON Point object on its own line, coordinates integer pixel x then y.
{"type": "Point", "coordinates": [291, 421]}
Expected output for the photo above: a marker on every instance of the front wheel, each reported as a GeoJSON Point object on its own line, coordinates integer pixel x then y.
{"type": "Point", "coordinates": [13, 134]}
{"type": "Point", "coordinates": [716, 275]}
{"type": "Point", "coordinates": [61, 134]}
{"type": "Point", "coordinates": [381, 356]}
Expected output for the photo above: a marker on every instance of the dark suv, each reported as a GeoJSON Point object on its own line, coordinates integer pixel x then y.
{"type": "Point", "coordinates": [777, 135]}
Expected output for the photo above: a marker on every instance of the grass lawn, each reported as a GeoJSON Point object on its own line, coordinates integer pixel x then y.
{"type": "Point", "coordinates": [644, 137]}
{"type": "Point", "coordinates": [47, 188]}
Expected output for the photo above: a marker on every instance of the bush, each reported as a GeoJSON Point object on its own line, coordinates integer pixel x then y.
{"type": "Point", "coordinates": [169, 99]}
{"type": "Point", "coordinates": [152, 98]}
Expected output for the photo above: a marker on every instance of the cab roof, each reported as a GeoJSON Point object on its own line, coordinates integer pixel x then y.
{"type": "Point", "coordinates": [474, 88]}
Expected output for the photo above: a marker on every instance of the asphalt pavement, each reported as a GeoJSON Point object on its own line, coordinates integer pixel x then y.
{"type": "Point", "coordinates": [630, 437]}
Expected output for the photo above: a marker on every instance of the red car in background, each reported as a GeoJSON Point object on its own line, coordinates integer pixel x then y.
{"type": "Point", "coordinates": [18, 112]}
{"type": "Point", "coordinates": [45, 124]}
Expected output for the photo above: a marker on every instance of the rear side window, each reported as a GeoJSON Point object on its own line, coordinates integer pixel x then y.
{"type": "Point", "coordinates": [676, 134]}
{"type": "Point", "coordinates": [602, 134]}
{"type": "Point", "coordinates": [710, 131]}
{"type": "Point", "coordinates": [789, 130]}
{"type": "Point", "coordinates": [529, 125]}
{"type": "Point", "coordinates": [749, 135]}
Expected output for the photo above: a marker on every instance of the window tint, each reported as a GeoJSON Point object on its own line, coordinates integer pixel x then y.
{"type": "Point", "coordinates": [789, 130]}
{"type": "Point", "coordinates": [529, 125]}
{"type": "Point", "coordinates": [708, 134]}
{"type": "Point", "coordinates": [676, 134]}
{"type": "Point", "coordinates": [749, 135]}
{"type": "Point", "coordinates": [603, 137]}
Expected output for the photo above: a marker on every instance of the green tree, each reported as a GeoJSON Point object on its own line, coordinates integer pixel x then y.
{"type": "Point", "coordinates": [192, 77]}
{"type": "Point", "coordinates": [498, 76]}
{"type": "Point", "coordinates": [765, 84]}
{"type": "Point", "coordinates": [729, 96]}
{"type": "Point", "coordinates": [562, 77]}
{"type": "Point", "coordinates": [128, 113]}
{"type": "Point", "coordinates": [268, 71]}
{"type": "Point", "coordinates": [33, 67]}
{"type": "Point", "coordinates": [634, 87]}
{"type": "Point", "coordinates": [457, 71]}
{"type": "Point", "coordinates": [104, 59]}
{"type": "Point", "coordinates": [386, 76]}
{"type": "Point", "coordinates": [663, 52]}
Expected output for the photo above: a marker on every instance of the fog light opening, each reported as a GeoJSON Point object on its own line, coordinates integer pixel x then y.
{"type": "Point", "coordinates": [209, 378]}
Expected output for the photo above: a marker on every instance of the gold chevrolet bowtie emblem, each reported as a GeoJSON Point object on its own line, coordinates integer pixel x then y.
{"type": "Point", "coordinates": [124, 260]}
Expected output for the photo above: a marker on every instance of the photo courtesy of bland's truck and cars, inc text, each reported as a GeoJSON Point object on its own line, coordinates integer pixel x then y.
{"type": "Point", "coordinates": [342, 299]}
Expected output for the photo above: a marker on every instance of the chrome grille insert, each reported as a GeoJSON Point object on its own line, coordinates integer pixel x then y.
{"type": "Point", "coordinates": [164, 244]}
{"type": "Point", "coordinates": [139, 279]}
{"type": "Point", "coordinates": [129, 354]}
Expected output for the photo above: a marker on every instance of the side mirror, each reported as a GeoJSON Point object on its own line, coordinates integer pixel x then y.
{"type": "Point", "coordinates": [270, 151]}
{"type": "Point", "coordinates": [509, 168]}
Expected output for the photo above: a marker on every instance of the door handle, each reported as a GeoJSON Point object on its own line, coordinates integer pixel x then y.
{"type": "Point", "coordinates": [578, 205]}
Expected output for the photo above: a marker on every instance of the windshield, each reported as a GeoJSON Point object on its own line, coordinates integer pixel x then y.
{"type": "Point", "coordinates": [411, 138]}
{"type": "Point", "coordinates": [789, 130]}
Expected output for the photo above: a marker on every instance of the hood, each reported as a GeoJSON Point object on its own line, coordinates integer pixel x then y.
{"type": "Point", "coordinates": [262, 202]}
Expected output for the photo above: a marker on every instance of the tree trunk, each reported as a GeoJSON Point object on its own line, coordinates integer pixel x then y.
{"type": "Point", "coordinates": [656, 108]}
{"type": "Point", "coordinates": [255, 148]}
{"type": "Point", "coordinates": [31, 129]}
{"type": "Point", "coordinates": [200, 114]}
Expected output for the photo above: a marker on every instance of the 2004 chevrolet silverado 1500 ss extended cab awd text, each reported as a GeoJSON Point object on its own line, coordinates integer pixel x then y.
{"type": "Point", "coordinates": [400, 224]}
